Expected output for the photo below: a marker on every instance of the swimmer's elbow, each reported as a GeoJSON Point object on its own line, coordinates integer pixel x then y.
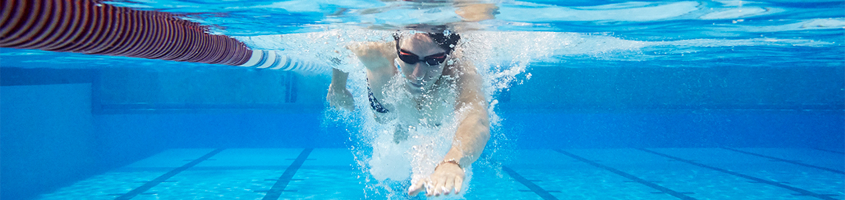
{"type": "Point", "coordinates": [483, 132]}
{"type": "Point", "coordinates": [482, 125]}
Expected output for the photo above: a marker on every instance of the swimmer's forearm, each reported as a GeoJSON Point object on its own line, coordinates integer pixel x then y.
{"type": "Point", "coordinates": [338, 79]}
{"type": "Point", "coordinates": [471, 137]}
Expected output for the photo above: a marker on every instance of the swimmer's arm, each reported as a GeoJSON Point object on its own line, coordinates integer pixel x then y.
{"type": "Point", "coordinates": [470, 138]}
{"type": "Point", "coordinates": [375, 56]}
{"type": "Point", "coordinates": [474, 129]}
{"type": "Point", "coordinates": [339, 96]}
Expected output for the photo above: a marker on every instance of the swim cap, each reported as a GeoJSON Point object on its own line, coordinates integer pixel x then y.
{"type": "Point", "coordinates": [446, 39]}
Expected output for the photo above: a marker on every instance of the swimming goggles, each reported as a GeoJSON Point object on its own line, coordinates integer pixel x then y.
{"type": "Point", "coordinates": [412, 58]}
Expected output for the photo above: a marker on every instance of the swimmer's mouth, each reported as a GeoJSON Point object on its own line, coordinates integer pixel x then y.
{"type": "Point", "coordinates": [415, 85]}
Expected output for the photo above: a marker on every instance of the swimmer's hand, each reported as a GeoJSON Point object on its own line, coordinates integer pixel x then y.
{"type": "Point", "coordinates": [477, 12]}
{"type": "Point", "coordinates": [340, 98]}
{"type": "Point", "coordinates": [446, 177]}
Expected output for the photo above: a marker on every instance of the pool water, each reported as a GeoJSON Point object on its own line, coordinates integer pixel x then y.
{"type": "Point", "coordinates": [589, 100]}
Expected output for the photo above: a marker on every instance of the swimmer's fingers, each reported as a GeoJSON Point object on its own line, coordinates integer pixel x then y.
{"type": "Point", "coordinates": [458, 183]}
{"type": "Point", "coordinates": [347, 102]}
{"type": "Point", "coordinates": [356, 46]}
{"type": "Point", "coordinates": [346, 105]}
{"type": "Point", "coordinates": [450, 184]}
{"type": "Point", "coordinates": [439, 186]}
{"type": "Point", "coordinates": [364, 47]}
{"type": "Point", "coordinates": [416, 188]}
{"type": "Point", "coordinates": [341, 100]}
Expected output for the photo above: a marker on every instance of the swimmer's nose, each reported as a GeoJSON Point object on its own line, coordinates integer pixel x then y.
{"type": "Point", "coordinates": [418, 73]}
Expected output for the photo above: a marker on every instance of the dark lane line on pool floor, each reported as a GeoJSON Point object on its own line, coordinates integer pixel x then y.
{"type": "Point", "coordinates": [164, 177]}
{"type": "Point", "coordinates": [786, 161]}
{"type": "Point", "coordinates": [801, 192]}
{"type": "Point", "coordinates": [829, 151]}
{"type": "Point", "coordinates": [680, 195]}
{"type": "Point", "coordinates": [276, 191]}
{"type": "Point", "coordinates": [533, 187]}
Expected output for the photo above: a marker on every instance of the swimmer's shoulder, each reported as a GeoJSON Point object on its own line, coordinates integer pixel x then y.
{"type": "Point", "coordinates": [459, 64]}
{"type": "Point", "coordinates": [376, 56]}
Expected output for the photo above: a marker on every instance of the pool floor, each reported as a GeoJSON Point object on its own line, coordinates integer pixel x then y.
{"type": "Point", "coordinates": [668, 173]}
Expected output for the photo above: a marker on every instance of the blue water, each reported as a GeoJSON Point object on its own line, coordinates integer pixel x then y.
{"type": "Point", "coordinates": [628, 100]}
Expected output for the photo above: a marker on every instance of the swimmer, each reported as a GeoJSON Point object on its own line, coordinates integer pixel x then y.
{"type": "Point", "coordinates": [428, 65]}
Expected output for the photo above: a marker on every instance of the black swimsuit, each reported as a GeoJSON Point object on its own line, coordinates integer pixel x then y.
{"type": "Point", "coordinates": [374, 102]}
{"type": "Point", "coordinates": [378, 107]}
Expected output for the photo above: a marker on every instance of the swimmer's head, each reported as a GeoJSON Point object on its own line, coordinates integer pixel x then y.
{"type": "Point", "coordinates": [422, 58]}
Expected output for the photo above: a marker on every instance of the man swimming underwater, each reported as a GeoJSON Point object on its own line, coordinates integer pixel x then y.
{"type": "Point", "coordinates": [439, 83]}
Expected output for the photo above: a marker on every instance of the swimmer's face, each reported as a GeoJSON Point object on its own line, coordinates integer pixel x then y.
{"type": "Point", "coordinates": [420, 76]}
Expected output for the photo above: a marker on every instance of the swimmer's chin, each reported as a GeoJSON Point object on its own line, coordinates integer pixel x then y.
{"type": "Point", "coordinates": [415, 89]}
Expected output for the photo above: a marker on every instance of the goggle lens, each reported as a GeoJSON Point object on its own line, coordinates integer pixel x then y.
{"type": "Point", "coordinates": [431, 60]}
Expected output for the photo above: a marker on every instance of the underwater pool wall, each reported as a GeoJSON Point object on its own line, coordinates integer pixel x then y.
{"type": "Point", "coordinates": [651, 107]}
{"type": "Point", "coordinates": [679, 88]}
{"type": "Point", "coordinates": [48, 137]}
{"type": "Point", "coordinates": [58, 128]}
